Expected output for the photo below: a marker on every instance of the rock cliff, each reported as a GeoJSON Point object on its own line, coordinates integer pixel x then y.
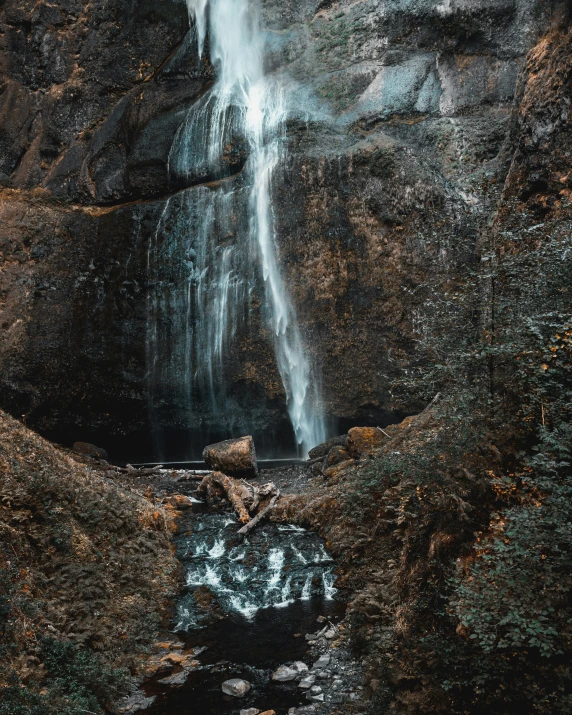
{"type": "Point", "coordinates": [396, 156]}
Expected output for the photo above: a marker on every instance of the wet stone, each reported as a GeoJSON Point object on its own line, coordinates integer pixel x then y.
{"type": "Point", "coordinates": [250, 711]}
{"type": "Point", "coordinates": [307, 682]}
{"type": "Point", "coordinates": [236, 687]}
{"type": "Point", "coordinates": [284, 674]}
{"type": "Point", "coordinates": [322, 662]}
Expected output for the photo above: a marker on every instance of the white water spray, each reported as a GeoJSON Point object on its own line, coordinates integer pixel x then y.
{"type": "Point", "coordinates": [247, 109]}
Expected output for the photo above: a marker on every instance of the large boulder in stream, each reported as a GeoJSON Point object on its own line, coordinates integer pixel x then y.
{"type": "Point", "coordinates": [234, 457]}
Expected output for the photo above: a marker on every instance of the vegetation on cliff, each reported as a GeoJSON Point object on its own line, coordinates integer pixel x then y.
{"type": "Point", "coordinates": [455, 536]}
{"type": "Point", "coordinates": [85, 568]}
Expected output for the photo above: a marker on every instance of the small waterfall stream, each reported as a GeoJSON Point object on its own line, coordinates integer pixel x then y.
{"type": "Point", "coordinates": [219, 238]}
{"type": "Point", "coordinates": [247, 604]}
{"type": "Point", "coordinates": [273, 567]}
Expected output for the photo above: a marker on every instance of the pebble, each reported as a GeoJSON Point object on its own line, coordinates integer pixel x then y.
{"type": "Point", "coordinates": [250, 711]}
{"type": "Point", "coordinates": [322, 662]}
{"type": "Point", "coordinates": [315, 690]}
{"type": "Point", "coordinates": [300, 667]}
{"type": "Point", "coordinates": [177, 680]}
{"type": "Point", "coordinates": [316, 698]}
{"type": "Point", "coordinates": [307, 682]}
{"type": "Point", "coordinates": [236, 687]}
{"type": "Point", "coordinates": [284, 674]}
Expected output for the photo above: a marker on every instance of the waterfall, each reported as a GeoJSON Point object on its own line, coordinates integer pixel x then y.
{"type": "Point", "coordinates": [226, 228]}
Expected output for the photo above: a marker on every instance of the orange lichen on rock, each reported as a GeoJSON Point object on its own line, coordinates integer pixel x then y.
{"type": "Point", "coordinates": [363, 440]}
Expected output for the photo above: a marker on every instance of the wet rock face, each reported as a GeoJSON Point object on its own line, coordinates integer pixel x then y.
{"type": "Point", "coordinates": [409, 109]}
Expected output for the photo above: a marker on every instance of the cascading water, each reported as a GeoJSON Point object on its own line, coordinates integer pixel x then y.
{"type": "Point", "coordinates": [219, 239]}
{"type": "Point", "coordinates": [272, 567]}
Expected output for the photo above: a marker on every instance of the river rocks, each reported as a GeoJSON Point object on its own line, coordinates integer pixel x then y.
{"type": "Point", "coordinates": [89, 450]}
{"type": "Point", "coordinates": [177, 680]}
{"type": "Point", "coordinates": [322, 662]}
{"type": "Point", "coordinates": [307, 681]}
{"type": "Point", "coordinates": [363, 440]}
{"type": "Point", "coordinates": [234, 457]}
{"type": "Point", "coordinates": [318, 698]}
{"type": "Point", "coordinates": [300, 667]}
{"type": "Point", "coordinates": [133, 703]}
{"type": "Point", "coordinates": [285, 674]}
{"type": "Point", "coordinates": [250, 711]}
{"type": "Point", "coordinates": [236, 687]}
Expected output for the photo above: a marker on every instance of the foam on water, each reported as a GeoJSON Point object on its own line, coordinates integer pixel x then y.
{"type": "Point", "coordinates": [269, 568]}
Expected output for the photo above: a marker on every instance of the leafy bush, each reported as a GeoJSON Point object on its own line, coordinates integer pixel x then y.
{"type": "Point", "coordinates": [77, 681]}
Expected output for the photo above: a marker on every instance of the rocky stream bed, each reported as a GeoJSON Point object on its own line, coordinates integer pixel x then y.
{"type": "Point", "coordinates": [259, 625]}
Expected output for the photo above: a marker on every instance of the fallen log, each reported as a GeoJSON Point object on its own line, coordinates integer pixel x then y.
{"type": "Point", "coordinates": [238, 493]}
{"type": "Point", "coordinates": [261, 514]}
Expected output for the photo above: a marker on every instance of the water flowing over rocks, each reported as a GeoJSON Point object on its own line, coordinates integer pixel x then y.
{"type": "Point", "coordinates": [272, 567]}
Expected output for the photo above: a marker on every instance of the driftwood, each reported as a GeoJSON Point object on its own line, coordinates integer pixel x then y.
{"type": "Point", "coordinates": [244, 496]}
{"type": "Point", "coordinates": [237, 492]}
{"type": "Point", "coordinates": [261, 514]}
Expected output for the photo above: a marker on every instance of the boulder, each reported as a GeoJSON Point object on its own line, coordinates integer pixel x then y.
{"type": "Point", "coordinates": [284, 674]}
{"type": "Point", "coordinates": [89, 450]}
{"type": "Point", "coordinates": [364, 440]}
{"type": "Point", "coordinates": [180, 501]}
{"type": "Point", "coordinates": [234, 457]}
{"type": "Point", "coordinates": [236, 687]}
{"type": "Point", "coordinates": [336, 455]}
{"type": "Point", "coordinates": [322, 450]}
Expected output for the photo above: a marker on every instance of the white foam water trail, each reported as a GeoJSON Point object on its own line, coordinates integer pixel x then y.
{"type": "Point", "coordinates": [267, 570]}
{"type": "Point", "coordinates": [247, 108]}
{"type": "Point", "coordinates": [217, 550]}
{"type": "Point", "coordinates": [291, 527]}
{"type": "Point", "coordinates": [299, 555]}
{"type": "Point", "coordinates": [275, 566]}
{"type": "Point", "coordinates": [307, 589]}
{"type": "Point", "coordinates": [328, 580]}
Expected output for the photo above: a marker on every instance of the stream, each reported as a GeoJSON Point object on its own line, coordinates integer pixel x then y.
{"type": "Point", "coordinates": [246, 608]}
